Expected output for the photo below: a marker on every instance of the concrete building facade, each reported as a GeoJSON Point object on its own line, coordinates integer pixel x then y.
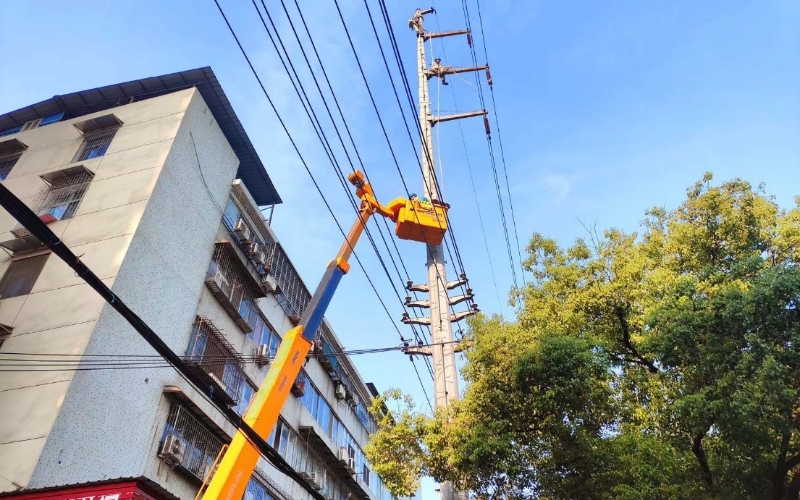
{"type": "Point", "coordinates": [155, 185]}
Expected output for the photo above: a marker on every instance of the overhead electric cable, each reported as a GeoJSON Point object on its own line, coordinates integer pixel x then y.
{"type": "Point", "coordinates": [347, 130]}
{"type": "Point", "coordinates": [405, 122]}
{"type": "Point", "coordinates": [490, 147]}
{"type": "Point", "coordinates": [404, 79]}
{"type": "Point", "coordinates": [301, 93]}
{"type": "Point", "coordinates": [305, 165]}
{"type": "Point", "coordinates": [302, 159]}
{"type": "Point", "coordinates": [469, 169]}
{"type": "Point", "coordinates": [500, 142]}
{"type": "Point", "coordinates": [39, 229]}
{"type": "Point", "coordinates": [352, 141]}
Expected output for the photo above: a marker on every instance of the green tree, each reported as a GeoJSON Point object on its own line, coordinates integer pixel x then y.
{"type": "Point", "coordinates": [657, 365]}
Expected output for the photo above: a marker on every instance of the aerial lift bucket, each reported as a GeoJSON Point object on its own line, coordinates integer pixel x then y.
{"type": "Point", "coordinates": [419, 219]}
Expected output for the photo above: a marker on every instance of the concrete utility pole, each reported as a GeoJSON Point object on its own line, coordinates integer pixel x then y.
{"type": "Point", "coordinates": [443, 349]}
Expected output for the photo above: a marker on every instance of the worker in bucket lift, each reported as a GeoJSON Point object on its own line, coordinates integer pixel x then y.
{"type": "Point", "coordinates": [413, 197]}
{"type": "Point", "coordinates": [438, 70]}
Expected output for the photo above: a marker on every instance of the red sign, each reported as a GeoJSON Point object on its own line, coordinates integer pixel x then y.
{"type": "Point", "coordinates": [127, 490]}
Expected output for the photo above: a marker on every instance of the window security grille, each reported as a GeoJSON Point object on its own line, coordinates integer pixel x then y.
{"type": "Point", "coordinates": [296, 295]}
{"type": "Point", "coordinates": [256, 490]}
{"type": "Point", "coordinates": [62, 198]}
{"type": "Point", "coordinates": [200, 445]}
{"type": "Point", "coordinates": [216, 358]}
{"type": "Point", "coordinates": [6, 164]}
{"type": "Point", "coordinates": [95, 145]}
{"type": "Point", "coordinates": [232, 285]}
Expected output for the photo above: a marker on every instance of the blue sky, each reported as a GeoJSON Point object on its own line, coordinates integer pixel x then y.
{"type": "Point", "coordinates": [606, 109]}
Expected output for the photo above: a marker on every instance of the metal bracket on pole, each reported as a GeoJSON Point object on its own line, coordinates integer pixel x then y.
{"type": "Point", "coordinates": [422, 304]}
{"type": "Point", "coordinates": [454, 318]}
{"type": "Point", "coordinates": [427, 350]}
{"type": "Point", "coordinates": [429, 34]}
{"type": "Point", "coordinates": [469, 114]}
{"type": "Point", "coordinates": [462, 280]}
{"type": "Point", "coordinates": [423, 288]}
{"type": "Point", "coordinates": [449, 70]}
{"type": "Point", "coordinates": [408, 320]}
{"type": "Point", "coordinates": [460, 298]}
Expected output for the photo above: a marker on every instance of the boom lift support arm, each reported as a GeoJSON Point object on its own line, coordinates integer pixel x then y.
{"type": "Point", "coordinates": [239, 460]}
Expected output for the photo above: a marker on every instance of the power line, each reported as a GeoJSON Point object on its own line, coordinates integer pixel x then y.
{"type": "Point", "coordinates": [500, 142]}
{"type": "Point", "coordinates": [405, 122]}
{"type": "Point", "coordinates": [309, 109]}
{"type": "Point", "coordinates": [39, 229]}
{"type": "Point", "coordinates": [471, 177]}
{"type": "Point", "coordinates": [490, 147]}
{"type": "Point", "coordinates": [347, 130]}
{"type": "Point", "coordinates": [302, 159]}
{"type": "Point", "coordinates": [148, 358]}
{"type": "Point", "coordinates": [300, 156]}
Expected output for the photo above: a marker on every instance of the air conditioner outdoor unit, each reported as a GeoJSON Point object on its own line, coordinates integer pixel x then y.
{"type": "Point", "coordinates": [269, 284]}
{"type": "Point", "coordinates": [343, 455]}
{"type": "Point", "coordinates": [351, 465]}
{"type": "Point", "coordinates": [222, 282]}
{"type": "Point", "coordinates": [316, 480]}
{"type": "Point", "coordinates": [260, 256]}
{"type": "Point", "coordinates": [172, 449]}
{"type": "Point", "coordinates": [242, 231]}
{"type": "Point", "coordinates": [255, 249]}
{"type": "Point", "coordinates": [341, 391]}
{"type": "Point", "coordinates": [262, 354]}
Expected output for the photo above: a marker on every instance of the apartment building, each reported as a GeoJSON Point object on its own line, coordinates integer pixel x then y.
{"type": "Point", "coordinates": [156, 186]}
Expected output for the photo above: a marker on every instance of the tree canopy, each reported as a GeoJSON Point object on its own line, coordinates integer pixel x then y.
{"type": "Point", "coordinates": [663, 364]}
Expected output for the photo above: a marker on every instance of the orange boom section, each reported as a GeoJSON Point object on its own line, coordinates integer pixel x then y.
{"type": "Point", "coordinates": [420, 219]}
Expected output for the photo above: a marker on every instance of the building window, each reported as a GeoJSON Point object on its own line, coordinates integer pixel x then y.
{"type": "Point", "coordinates": [248, 391]}
{"type": "Point", "coordinates": [214, 359]}
{"type": "Point", "coordinates": [365, 474]}
{"type": "Point", "coordinates": [95, 145]}
{"type": "Point", "coordinates": [234, 286]}
{"type": "Point", "coordinates": [6, 164]}
{"type": "Point", "coordinates": [264, 334]}
{"type": "Point", "coordinates": [50, 119]}
{"type": "Point", "coordinates": [65, 192]}
{"type": "Point", "coordinates": [256, 490]}
{"type": "Point", "coordinates": [197, 446]}
{"type": "Point", "coordinates": [21, 275]}
{"type": "Point", "coordinates": [11, 130]}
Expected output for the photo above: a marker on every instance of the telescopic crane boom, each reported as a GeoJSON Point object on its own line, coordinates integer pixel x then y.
{"type": "Point", "coordinates": [239, 459]}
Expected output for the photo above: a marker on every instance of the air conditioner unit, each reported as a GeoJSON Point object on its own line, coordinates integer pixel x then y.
{"type": "Point", "coordinates": [255, 249]}
{"type": "Point", "coordinates": [269, 284]}
{"type": "Point", "coordinates": [262, 354]}
{"type": "Point", "coordinates": [343, 455]}
{"type": "Point", "coordinates": [260, 256]}
{"type": "Point", "coordinates": [341, 391]}
{"type": "Point", "coordinates": [316, 480]}
{"type": "Point", "coordinates": [172, 449]}
{"type": "Point", "coordinates": [242, 231]}
{"type": "Point", "coordinates": [299, 388]}
{"type": "Point", "coordinates": [351, 465]}
{"type": "Point", "coordinates": [222, 282]}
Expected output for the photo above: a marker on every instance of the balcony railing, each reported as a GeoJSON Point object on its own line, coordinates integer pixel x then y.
{"type": "Point", "coordinates": [233, 285]}
{"type": "Point", "coordinates": [215, 360]}
{"type": "Point", "coordinates": [198, 446]}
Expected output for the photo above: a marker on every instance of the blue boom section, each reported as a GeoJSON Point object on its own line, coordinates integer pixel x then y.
{"type": "Point", "coordinates": [312, 317]}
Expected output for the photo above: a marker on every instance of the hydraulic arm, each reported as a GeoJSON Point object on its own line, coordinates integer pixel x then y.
{"type": "Point", "coordinates": [239, 460]}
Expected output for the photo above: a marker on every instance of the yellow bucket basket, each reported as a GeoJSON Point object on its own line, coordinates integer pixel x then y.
{"type": "Point", "coordinates": [420, 220]}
